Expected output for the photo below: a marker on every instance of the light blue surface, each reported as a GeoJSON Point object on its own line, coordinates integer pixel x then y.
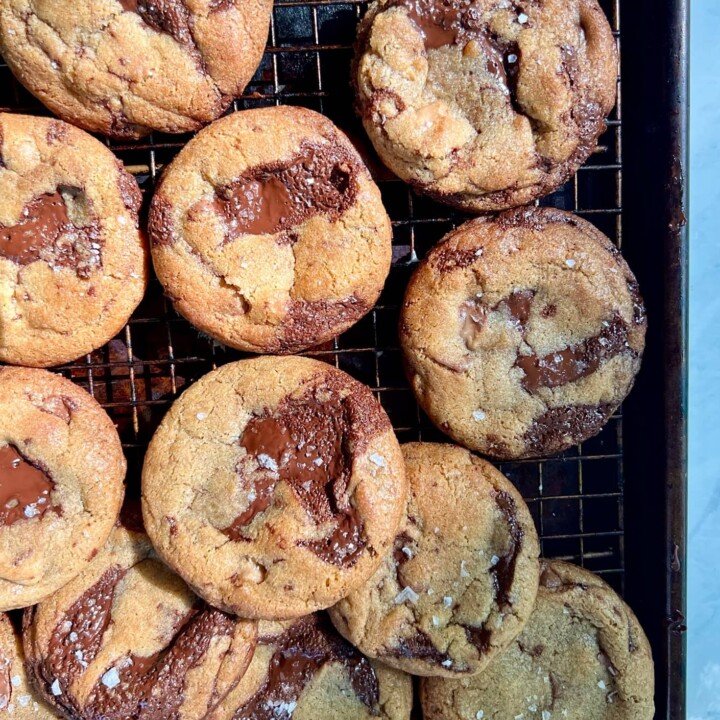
{"type": "Point", "coordinates": [704, 500]}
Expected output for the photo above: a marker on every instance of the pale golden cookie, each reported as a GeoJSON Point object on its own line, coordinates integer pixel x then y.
{"type": "Point", "coordinates": [73, 263]}
{"type": "Point", "coordinates": [128, 640]}
{"type": "Point", "coordinates": [268, 232]}
{"type": "Point", "coordinates": [483, 104]}
{"type": "Point", "coordinates": [126, 67]}
{"type": "Point", "coordinates": [522, 332]}
{"type": "Point", "coordinates": [274, 486]}
{"type": "Point", "coordinates": [581, 656]}
{"type": "Point", "coordinates": [461, 580]}
{"type": "Point", "coordinates": [61, 483]}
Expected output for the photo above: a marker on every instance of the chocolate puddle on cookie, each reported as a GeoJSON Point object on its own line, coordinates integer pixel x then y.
{"type": "Point", "coordinates": [46, 232]}
{"type": "Point", "coordinates": [166, 16]}
{"type": "Point", "coordinates": [301, 652]}
{"type": "Point", "coordinates": [304, 445]}
{"type": "Point", "coordinates": [272, 198]}
{"type": "Point", "coordinates": [24, 488]}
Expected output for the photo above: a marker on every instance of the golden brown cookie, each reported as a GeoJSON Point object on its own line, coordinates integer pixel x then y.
{"type": "Point", "coordinates": [126, 67]}
{"type": "Point", "coordinates": [18, 699]}
{"type": "Point", "coordinates": [73, 262]}
{"type": "Point", "coordinates": [61, 483]}
{"type": "Point", "coordinates": [268, 232]}
{"type": "Point", "coordinates": [128, 640]}
{"type": "Point", "coordinates": [581, 655]}
{"type": "Point", "coordinates": [522, 333]}
{"type": "Point", "coordinates": [274, 486]}
{"type": "Point", "coordinates": [462, 578]}
{"type": "Point", "coordinates": [304, 670]}
{"type": "Point", "coordinates": [483, 104]}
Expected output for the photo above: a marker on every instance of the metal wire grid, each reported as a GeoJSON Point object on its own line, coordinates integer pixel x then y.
{"type": "Point", "coordinates": [576, 498]}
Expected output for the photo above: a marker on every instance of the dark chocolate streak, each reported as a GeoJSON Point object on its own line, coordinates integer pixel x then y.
{"type": "Point", "coordinates": [419, 647]}
{"type": "Point", "coordinates": [550, 431]}
{"type": "Point", "coordinates": [503, 572]}
{"type": "Point", "coordinates": [308, 444]}
{"type": "Point", "coordinates": [166, 16]}
{"type": "Point", "coordinates": [24, 488]}
{"type": "Point", "coordinates": [274, 198]}
{"type": "Point", "coordinates": [301, 652]}
{"type": "Point", "coordinates": [556, 368]}
{"type": "Point", "coordinates": [149, 688]}
{"type": "Point", "coordinates": [577, 361]}
{"type": "Point", "coordinates": [45, 232]}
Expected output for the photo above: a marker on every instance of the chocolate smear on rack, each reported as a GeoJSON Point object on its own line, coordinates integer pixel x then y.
{"type": "Point", "coordinates": [24, 488]}
{"type": "Point", "coordinates": [301, 652]}
{"type": "Point", "coordinates": [273, 198]}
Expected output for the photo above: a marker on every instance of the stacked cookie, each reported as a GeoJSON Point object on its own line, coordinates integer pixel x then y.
{"type": "Point", "coordinates": [292, 559]}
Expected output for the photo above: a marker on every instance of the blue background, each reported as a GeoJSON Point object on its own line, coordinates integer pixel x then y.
{"type": "Point", "coordinates": [704, 500]}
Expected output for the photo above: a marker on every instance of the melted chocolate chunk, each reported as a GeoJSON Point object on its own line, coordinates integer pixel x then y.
{"type": "Point", "coordinates": [24, 488]}
{"type": "Point", "coordinates": [166, 16]}
{"type": "Point", "coordinates": [270, 199]}
{"type": "Point", "coordinates": [305, 444]}
{"type": "Point", "coordinates": [151, 688]}
{"type": "Point", "coordinates": [575, 362]}
{"type": "Point", "coordinates": [302, 651]}
{"type": "Point", "coordinates": [503, 572]}
{"type": "Point", "coordinates": [5, 685]}
{"type": "Point", "coordinates": [419, 646]}
{"type": "Point", "coordinates": [478, 636]}
{"type": "Point", "coordinates": [45, 232]}
{"type": "Point", "coordinates": [570, 423]}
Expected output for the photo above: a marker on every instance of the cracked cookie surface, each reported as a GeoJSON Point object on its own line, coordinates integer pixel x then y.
{"type": "Point", "coordinates": [582, 654]}
{"type": "Point", "coordinates": [61, 483]}
{"type": "Point", "coordinates": [268, 232]}
{"type": "Point", "coordinates": [73, 263]}
{"type": "Point", "coordinates": [126, 67]}
{"type": "Point", "coordinates": [462, 576]}
{"type": "Point", "coordinates": [128, 640]}
{"type": "Point", "coordinates": [18, 699]}
{"type": "Point", "coordinates": [485, 104]}
{"type": "Point", "coordinates": [305, 671]}
{"type": "Point", "coordinates": [522, 333]}
{"type": "Point", "coordinates": [274, 486]}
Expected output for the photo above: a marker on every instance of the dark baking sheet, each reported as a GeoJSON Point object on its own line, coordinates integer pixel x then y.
{"type": "Point", "coordinates": [615, 504]}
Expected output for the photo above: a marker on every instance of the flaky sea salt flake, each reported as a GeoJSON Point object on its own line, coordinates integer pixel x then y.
{"type": "Point", "coordinates": [407, 593]}
{"type": "Point", "coordinates": [55, 688]}
{"type": "Point", "coordinates": [110, 679]}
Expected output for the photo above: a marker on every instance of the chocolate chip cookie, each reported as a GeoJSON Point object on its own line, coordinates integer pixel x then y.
{"type": "Point", "coordinates": [461, 580]}
{"type": "Point", "coordinates": [126, 67]}
{"type": "Point", "coordinates": [61, 483]}
{"type": "Point", "coordinates": [73, 262]}
{"type": "Point", "coordinates": [268, 232]}
{"type": "Point", "coordinates": [482, 104]}
{"type": "Point", "coordinates": [274, 486]}
{"type": "Point", "coordinates": [582, 655]}
{"type": "Point", "coordinates": [128, 640]}
{"type": "Point", "coordinates": [523, 332]}
{"type": "Point", "coordinates": [18, 699]}
{"type": "Point", "coordinates": [305, 671]}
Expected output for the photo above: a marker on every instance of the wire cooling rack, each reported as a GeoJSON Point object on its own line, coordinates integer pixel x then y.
{"type": "Point", "coordinates": [576, 498]}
